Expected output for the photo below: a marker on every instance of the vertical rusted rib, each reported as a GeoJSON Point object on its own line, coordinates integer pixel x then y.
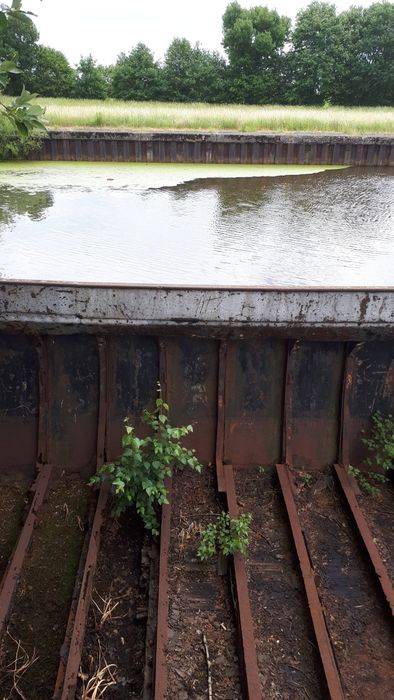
{"type": "Point", "coordinates": [252, 676]}
{"type": "Point", "coordinates": [67, 676]}
{"type": "Point", "coordinates": [221, 417]}
{"type": "Point", "coordinates": [366, 535]}
{"type": "Point", "coordinates": [348, 379]}
{"type": "Point", "coordinates": [43, 384]}
{"type": "Point", "coordinates": [161, 675]}
{"type": "Point", "coordinates": [322, 637]}
{"type": "Point", "coordinates": [288, 410]}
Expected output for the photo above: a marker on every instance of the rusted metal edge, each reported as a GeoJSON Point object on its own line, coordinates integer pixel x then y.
{"type": "Point", "coordinates": [221, 417]}
{"type": "Point", "coordinates": [161, 675]}
{"type": "Point", "coordinates": [319, 624]}
{"type": "Point", "coordinates": [251, 669]}
{"type": "Point", "coordinates": [43, 391]}
{"type": "Point", "coordinates": [13, 571]}
{"type": "Point", "coordinates": [366, 535]}
{"type": "Point", "coordinates": [71, 651]}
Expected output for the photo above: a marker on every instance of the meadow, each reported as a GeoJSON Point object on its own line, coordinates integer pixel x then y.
{"type": "Point", "coordinates": [116, 114]}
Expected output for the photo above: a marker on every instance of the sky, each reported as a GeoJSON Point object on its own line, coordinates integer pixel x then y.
{"type": "Point", "coordinates": [80, 27]}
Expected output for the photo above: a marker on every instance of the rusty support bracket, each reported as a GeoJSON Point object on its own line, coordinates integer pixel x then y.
{"type": "Point", "coordinates": [251, 668]}
{"type": "Point", "coordinates": [13, 571]}
{"type": "Point", "coordinates": [322, 636]}
{"type": "Point", "coordinates": [220, 430]}
{"type": "Point", "coordinates": [366, 535]}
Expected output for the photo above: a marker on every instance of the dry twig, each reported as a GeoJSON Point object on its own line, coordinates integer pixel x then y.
{"type": "Point", "coordinates": [105, 608]}
{"type": "Point", "coordinates": [94, 688]}
{"type": "Point", "coordinates": [20, 665]}
{"type": "Point", "coordinates": [209, 664]}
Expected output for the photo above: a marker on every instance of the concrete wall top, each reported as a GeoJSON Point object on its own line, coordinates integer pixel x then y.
{"type": "Point", "coordinates": [289, 312]}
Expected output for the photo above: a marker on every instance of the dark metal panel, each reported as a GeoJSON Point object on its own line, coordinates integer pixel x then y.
{"type": "Point", "coordinates": [132, 375]}
{"type": "Point", "coordinates": [369, 387]}
{"type": "Point", "coordinates": [73, 401]}
{"type": "Point", "coordinates": [18, 402]}
{"type": "Point", "coordinates": [313, 403]}
{"type": "Point", "coordinates": [192, 378]}
{"type": "Point", "coordinates": [253, 401]}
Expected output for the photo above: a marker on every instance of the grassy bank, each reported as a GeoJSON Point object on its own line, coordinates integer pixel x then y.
{"type": "Point", "coordinates": [160, 115]}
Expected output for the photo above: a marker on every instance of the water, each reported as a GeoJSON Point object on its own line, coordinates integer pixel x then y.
{"type": "Point", "coordinates": [195, 224]}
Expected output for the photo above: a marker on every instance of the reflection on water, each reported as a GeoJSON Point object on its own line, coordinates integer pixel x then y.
{"type": "Point", "coordinates": [327, 228]}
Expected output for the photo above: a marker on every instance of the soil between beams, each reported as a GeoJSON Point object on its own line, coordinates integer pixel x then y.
{"type": "Point", "coordinates": [13, 506]}
{"type": "Point", "coordinates": [286, 648]}
{"type": "Point", "coordinates": [121, 637]}
{"type": "Point", "coordinates": [379, 513]}
{"type": "Point", "coordinates": [45, 590]}
{"type": "Point", "coordinates": [356, 616]}
{"type": "Point", "coordinates": [199, 598]}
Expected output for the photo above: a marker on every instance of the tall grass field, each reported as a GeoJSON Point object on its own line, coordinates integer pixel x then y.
{"type": "Point", "coordinates": [114, 114]}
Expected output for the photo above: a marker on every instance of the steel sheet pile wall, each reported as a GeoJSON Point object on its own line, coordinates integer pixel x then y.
{"type": "Point", "coordinates": [192, 147]}
{"type": "Point", "coordinates": [300, 401]}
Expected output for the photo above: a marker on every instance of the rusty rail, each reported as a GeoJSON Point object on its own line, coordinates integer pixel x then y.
{"type": "Point", "coordinates": [14, 568]}
{"type": "Point", "coordinates": [248, 642]}
{"type": "Point", "coordinates": [366, 535]}
{"type": "Point", "coordinates": [322, 636]}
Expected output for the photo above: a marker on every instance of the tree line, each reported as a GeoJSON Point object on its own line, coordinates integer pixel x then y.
{"type": "Point", "coordinates": [342, 58]}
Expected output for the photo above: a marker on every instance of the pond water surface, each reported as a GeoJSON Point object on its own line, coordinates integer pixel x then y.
{"type": "Point", "coordinates": [196, 224]}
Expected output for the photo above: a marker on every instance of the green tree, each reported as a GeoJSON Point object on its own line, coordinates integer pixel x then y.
{"type": "Point", "coordinates": [315, 58]}
{"type": "Point", "coordinates": [192, 74]}
{"type": "Point", "coordinates": [254, 41]}
{"type": "Point", "coordinates": [18, 43]}
{"type": "Point", "coordinates": [366, 58]}
{"type": "Point", "coordinates": [136, 76]}
{"type": "Point", "coordinates": [52, 75]}
{"type": "Point", "coordinates": [91, 80]}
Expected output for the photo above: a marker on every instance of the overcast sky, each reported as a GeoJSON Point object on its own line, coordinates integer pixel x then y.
{"type": "Point", "coordinates": [104, 29]}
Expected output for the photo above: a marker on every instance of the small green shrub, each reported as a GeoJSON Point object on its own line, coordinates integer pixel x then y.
{"type": "Point", "coordinates": [13, 146]}
{"type": "Point", "coordinates": [381, 447]}
{"type": "Point", "coordinates": [138, 475]}
{"type": "Point", "coordinates": [226, 535]}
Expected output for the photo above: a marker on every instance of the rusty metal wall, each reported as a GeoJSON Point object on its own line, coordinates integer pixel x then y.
{"type": "Point", "coordinates": [305, 402]}
{"type": "Point", "coordinates": [167, 147]}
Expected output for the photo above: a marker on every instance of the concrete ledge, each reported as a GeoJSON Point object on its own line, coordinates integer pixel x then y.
{"type": "Point", "coordinates": [290, 312]}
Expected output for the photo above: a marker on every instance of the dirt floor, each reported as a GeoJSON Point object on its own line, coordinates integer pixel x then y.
{"type": "Point", "coordinates": [29, 654]}
{"type": "Point", "coordinates": [357, 620]}
{"type": "Point", "coordinates": [288, 662]}
{"type": "Point", "coordinates": [14, 501]}
{"type": "Point", "coordinates": [116, 631]}
{"type": "Point", "coordinates": [200, 601]}
{"type": "Point", "coordinates": [379, 512]}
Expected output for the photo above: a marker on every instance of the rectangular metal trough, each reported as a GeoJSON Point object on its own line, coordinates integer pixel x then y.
{"type": "Point", "coordinates": [303, 370]}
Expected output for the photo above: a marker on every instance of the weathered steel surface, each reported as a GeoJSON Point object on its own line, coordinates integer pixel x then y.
{"type": "Point", "coordinates": [73, 404]}
{"type": "Point", "coordinates": [133, 373]}
{"type": "Point", "coordinates": [19, 392]}
{"type": "Point", "coordinates": [313, 403]}
{"type": "Point", "coordinates": [368, 387]}
{"type": "Point", "coordinates": [366, 535]}
{"type": "Point", "coordinates": [220, 425]}
{"type": "Point", "coordinates": [192, 379]}
{"type": "Point", "coordinates": [251, 669]}
{"type": "Point", "coordinates": [342, 313]}
{"type": "Point", "coordinates": [322, 637]}
{"type": "Point", "coordinates": [219, 147]}
{"type": "Point", "coordinates": [254, 401]}
{"type": "Point", "coordinates": [11, 577]}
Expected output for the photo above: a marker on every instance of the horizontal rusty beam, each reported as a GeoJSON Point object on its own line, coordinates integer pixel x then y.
{"type": "Point", "coordinates": [366, 535]}
{"type": "Point", "coordinates": [322, 637]}
{"type": "Point", "coordinates": [252, 676]}
{"type": "Point", "coordinates": [12, 574]}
